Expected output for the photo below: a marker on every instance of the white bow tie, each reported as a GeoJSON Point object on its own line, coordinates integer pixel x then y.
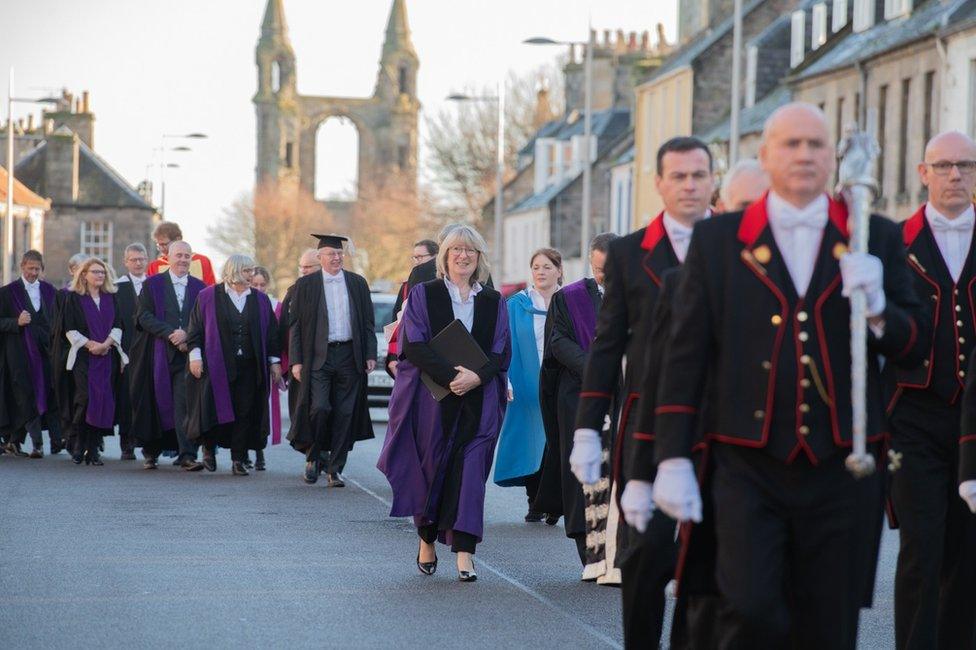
{"type": "Point", "coordinates": [334, 279]}
{"type": "Point", "coordinates": [790, 219]}
{"type": "Point", "coordinates": [679, 234]}
{"type": "Point", "coordinates": [962, 223]}
{"type": "Point", "coordinates": [179, 282]}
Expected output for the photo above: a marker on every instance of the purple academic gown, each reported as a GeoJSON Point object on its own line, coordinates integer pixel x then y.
{"type": "Point", "coordinates": [414, 452]}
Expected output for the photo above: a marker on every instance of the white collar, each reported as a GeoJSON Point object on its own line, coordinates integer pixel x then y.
{"type": "Point", "coordinates": [931, 213]}
{"type": "Point", "coordinates": [137, 278]}
{"type": "Point", "coordinates": [33, 285]}
{"type": "Point", "coordinates": [326, 276]}
{"type": "Point", "coordinates": [778, 205]}
{"type": "Point", "coordinates": [672, 224]}
{"type": "Point", "coordinates": [229, 288]}
{"type": "Point", "coordinates": [175, 278]}
{"type": "Point", "coordinates": [455, 292]}
{"type": "Point", "coordinates": [538, 300]}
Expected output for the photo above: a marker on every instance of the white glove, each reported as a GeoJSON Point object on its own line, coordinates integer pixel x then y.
{"type": "Point", "coordinates": [587, 456]}
{"type": "Point", "coordinates": [676, 490]}
{"type": "Point", "coordinates": [967, 490]}
{"type": "Point", "coordinates": [865, 272]}
{"type": "Point", "coordinates": [637, 503]}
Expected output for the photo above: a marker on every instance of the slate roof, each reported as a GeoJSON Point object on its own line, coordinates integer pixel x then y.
{"type": "Point", "coordinates": [99, 185]}
{"type": "Point", "coordinates": [22, 194]}
{"type": "Point", "coordinates": [752, 119]}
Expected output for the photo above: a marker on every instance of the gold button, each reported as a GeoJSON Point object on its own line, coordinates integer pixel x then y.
{"type": "Point", "coordinates": [803, 336]}
{"type": "Point", "coordinates": [776, 320]}
{"type": "Point", "coordinates": [955, 292]}
{"type": "Point", "coordinates": [962, 340]}
{"type": "Point", "coordinates": [759, 415]}
{"type": "Point", "coordinates": [766, 365]}
{"type": "Point", "coordinates": [804, 430]}
{"type": "Point", "coordinates": [925, 363]}
{"type": "Point", "coordinates": [958, 307]}
{"type": "Point", "coordinates": [934, 297]}
{"type": "Point", "coordinates": [801, 316]}
{"type": "Point", "coordinates": [962, 373]}
{"type": "Point", "coordinates": [805, 359]}
{"type": "Point", "coordinates": [805, 382]}
{"type": "Point", "coordinates": [958, 323]}
{"type": "Point", "coordinates": [804, 408]}
{"type": "Point", "coordinates": [962, 357]}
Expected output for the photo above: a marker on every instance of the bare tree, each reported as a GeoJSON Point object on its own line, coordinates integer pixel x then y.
{"type": "Point", "coordinates": [461, 138]}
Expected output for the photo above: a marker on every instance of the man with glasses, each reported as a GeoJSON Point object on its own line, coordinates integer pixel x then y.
{"type": "Point", "coordinates": [331, 349]}
{"type": "Point", "coordinates": [167, 232]}
{"type": "Point", "coordinates": [935, 583]}
{"type": "Point", "coordinates": [129, 287]}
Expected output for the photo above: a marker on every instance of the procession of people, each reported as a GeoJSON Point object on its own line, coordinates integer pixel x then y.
{"type": "Point", "coordinates": [685, 408]}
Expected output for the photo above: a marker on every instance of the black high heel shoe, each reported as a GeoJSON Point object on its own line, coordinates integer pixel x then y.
{"type": "Point", "coordinates": [76, 459]}
{"type": "Point", "coordinates": [95, 460]}
{"type": "Point", "coordinates": [427, 568]}
{"type": "Point", "coordinates": [468, 576]}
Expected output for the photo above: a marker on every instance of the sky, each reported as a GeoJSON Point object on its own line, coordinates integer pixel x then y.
{"type": "Point", "coordinates": [183, 66]}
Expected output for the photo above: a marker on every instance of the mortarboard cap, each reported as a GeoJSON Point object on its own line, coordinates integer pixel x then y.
{"type": "Point", "coordinates": [330, 241]}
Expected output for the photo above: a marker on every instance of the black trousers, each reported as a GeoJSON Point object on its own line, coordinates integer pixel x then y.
{"type": "Point", "coordinates": [461, 542]}
{"type": "Point", "coordinates": [645, 574]}
{"type": "Point", "coordinates": [935, 583]}
{"type": "Point", "coordinates": [334, 390]}
{"type": "Point", "coordinates": [791, 549]}
{"type": "Point", "coordinates": [247, 408]}
{"type": "Point", "coordinates": [50, 420]}
{"type": "Point", "coordinates": [87, 442]}
{"type": "Point", "coordinates": [188, 450]}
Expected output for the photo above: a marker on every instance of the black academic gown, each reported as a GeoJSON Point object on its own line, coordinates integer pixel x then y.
{"type": "Point", "coordinates": [200, 406]}
{"type": "Point", "coordinates": [17, 401]}
{"type": "Point", "coordinates": [563, 360]}
{"type": "Point", "coordinates": [127, 301]}
{"type": "Point", "coordinates": [303, 311]}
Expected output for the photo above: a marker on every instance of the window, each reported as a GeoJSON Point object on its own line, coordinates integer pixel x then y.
{"type": "Point", "coordinates": [403, 80]}
{"type": "Point", "coordinates": [972, 97]}
{"type": "Point", "coordinates": [839, 121]}
{"type": "Point", "coordinates": [752, 67]}
{"type": "Point", "coordinates": [840, 15]}
{"type": "Point", "coordinates": [403, 157]}
{"type": "Point", "coordinates": [818, 25]}
{"type": "Point", "coordinates": [857, 110]}
{"type": "Point", "coordinates": [275, 76]}
{"type": "Point", "coordinates": [927, 98]}
{"type": "Point", "coordinates": [797, 37]}
{"type": "Point", "coordinates": [289, 154]}
{"type": "Point", "coordinates": [96, 240]}
{"type": "Point", "coordinates": [882, 131]}
{"type": "Point", "coordinates": [897, 8]}
{"type": "Point", "coordinates": [863, 15]}
{"type": "Point", "coordinates": [906, 85]}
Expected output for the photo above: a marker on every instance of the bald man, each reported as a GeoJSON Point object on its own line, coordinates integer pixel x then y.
{"type": "Point", "coordinates": [763, 321]}
{"type": "Point", "coordinates": [742, 186]}
{"type": "Point", "coordinates": [935, 584]}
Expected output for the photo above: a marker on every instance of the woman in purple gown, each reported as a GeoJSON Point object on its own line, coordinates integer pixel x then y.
{"type": "Point", "coordinates": [437, 455]}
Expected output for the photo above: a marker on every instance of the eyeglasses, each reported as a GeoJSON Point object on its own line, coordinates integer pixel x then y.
{"type": "Point", "coordinates": [420, 258]}
{"type": "Point", "coordinates": [944, 167]}
{"type": "Point", "coordinates": [247, 269]}
{"type": "Point", "coordinates": [456, 251]}
{"type": "Point", "coordinates": [333, 255]}
{"type": "Point", "coordinates": [96, 271]}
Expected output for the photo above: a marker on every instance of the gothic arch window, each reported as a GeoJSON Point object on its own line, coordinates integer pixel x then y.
{"type": "Point", "coordinates": [403, 80]}
{"type": "Point", "coordinates": [275, 76]}
{"type": "Point", "coordinates": [337, 143]}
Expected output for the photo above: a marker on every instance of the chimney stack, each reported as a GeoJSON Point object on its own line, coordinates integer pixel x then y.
{"type": "Point", "coordinates": [85, 99]}
{"type": "Point", "coordinates": [61, 166]}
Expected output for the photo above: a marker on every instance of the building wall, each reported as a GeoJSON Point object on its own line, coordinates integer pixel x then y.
{"type": "Point", "coordinates": [621, 198]}
{"type": "Point", "coordinates": [958, 101]}
{"type": "Point", "coordinates": [524, 233]}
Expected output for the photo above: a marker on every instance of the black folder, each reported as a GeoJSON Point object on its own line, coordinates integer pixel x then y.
{"type": "Point", "coordinates": [455, 344]}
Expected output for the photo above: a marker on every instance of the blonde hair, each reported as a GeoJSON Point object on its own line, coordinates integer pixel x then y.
{"type": "Point", "coordinates": [231, 273]}
{"type": "Point", "coordinates": [80, 285]}
{"type": "Point", "coordinates": [468, 236]}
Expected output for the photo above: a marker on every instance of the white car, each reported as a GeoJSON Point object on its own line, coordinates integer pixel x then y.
{"type": "Point", "coordinates": [379, 384]}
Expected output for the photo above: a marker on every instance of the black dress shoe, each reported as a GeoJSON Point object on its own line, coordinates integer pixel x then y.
{"type": "Point", "coordinates": [149, 463]}
{"type": "Point", "coordinates": [127, 455]}
{"type": "Point", "coordinates": [56, 448]}
{"type": "Point", "coordinates": [194, 466]}
{"type": "Point", "coordinates": [95, 460]}
{"type": "Point", "coordinates": [247, 464]}
{"type": "Point", "coordinates": [467, 576]}
{"type": "Point", "coordinates": [335, 480]}
{"type": "Point", "coordinates": [36, 453]}
{"type": "Point", "coordinates": [77, 458]}
{"type": "Point", "coordinates": [532, 516]}
{"type": "Point", "coordinates": [259, 461]}
{"type": "Point", "coordinates": [238, 469]}
{"type": "Point", "coordinates": [210, 463]}
{"type": "Point", "coordinates": [189, 464]}
{"type": "Point", "coordinates": [427, 568]}
{"type": "Point", "coordinates": [311, 472]}
{"type": "Point", "coordinates": [552, 520]}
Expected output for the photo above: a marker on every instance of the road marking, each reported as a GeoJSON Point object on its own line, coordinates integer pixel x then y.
{"type": "Point", "coordinates": [529, 591]}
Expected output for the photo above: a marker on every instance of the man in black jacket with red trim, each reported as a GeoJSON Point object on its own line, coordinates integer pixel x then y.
{"type": "Point", "coordinates": [764, 319]}
{"type": "Point", "coordinates": [634, 267]}
{"type": "Point", "coordinates": [935, 583]}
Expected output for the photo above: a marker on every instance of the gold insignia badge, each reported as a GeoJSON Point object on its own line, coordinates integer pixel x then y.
{"type": "Point", "coordinates": [762, 254]}
{"type": "Point", "coordinates": [894, 458]}
{"type": "Point", "coordinates": [840, 249]}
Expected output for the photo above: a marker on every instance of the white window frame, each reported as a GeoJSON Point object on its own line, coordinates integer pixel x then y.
{"type": "Point", "coordinates": [839, 19]}
{"type": "Point", "coordinates": [798, 33]}
{"type": "Point", "coordinates": [818, 26]}
{"type": "Point", "coordinates": [752, 74]}
{"type": "Point", "coordinates": [864, 17]}
{"type": "Point", "coordinates": [897, 8]}
{"type": "Point", "coordinates": [92, 242]}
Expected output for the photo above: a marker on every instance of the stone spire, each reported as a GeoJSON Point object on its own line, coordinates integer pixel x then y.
{"type": "Point", "coordinates": [397, 32]}
{"type": "Point", "coordinates": [273, 27]}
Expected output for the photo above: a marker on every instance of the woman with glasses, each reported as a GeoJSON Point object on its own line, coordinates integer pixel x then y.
{"type": "Point", "coordinates": [92, 324]}
{"type": "Point", "coordinates": [523, 437]}
{"type": "Point", "coordinates": [260, 282]}
{"type": "Point", "coordinates": [234, 359]}
{"type": "Point", "coordinates": [437, 455]}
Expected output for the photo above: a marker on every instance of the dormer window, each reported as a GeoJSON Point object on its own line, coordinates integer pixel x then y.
{"type": "Point", "coordinates": [797, 37]}
{"type": "Point", "coordinates": [818, 26]}
{"type": "Point", "coordinates": [839, 19]}
{"type": "Point", "coordinates": [897, 8]}
{"type": "Point", "coordinates": [863, 15]}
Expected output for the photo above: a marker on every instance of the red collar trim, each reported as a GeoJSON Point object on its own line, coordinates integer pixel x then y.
{"type": "Point", "coordinates": [654, 233]}
{"type": "Point", "coordinates": [913, 226]}
{"type": "Point", "coordinates": [755, 218]}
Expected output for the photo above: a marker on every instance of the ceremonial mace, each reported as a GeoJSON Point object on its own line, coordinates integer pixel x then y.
{"type": "Point", "coordinates": [858, 151]}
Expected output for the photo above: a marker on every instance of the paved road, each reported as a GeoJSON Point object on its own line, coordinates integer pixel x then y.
{"type": "Point", "coordinates": [116, 556]}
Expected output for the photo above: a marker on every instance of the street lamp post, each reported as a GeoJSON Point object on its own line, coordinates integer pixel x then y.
{"type": "Point", "coordinates": [736, 82]}
{"type": "Point", "coordinates": [8, 220]}
{"type": "Point", "coordinates": [589, 45]}
{"type": "Point", "coordinates": [163, 165]}
{"type": "Point", "coordinates": [499, 99]}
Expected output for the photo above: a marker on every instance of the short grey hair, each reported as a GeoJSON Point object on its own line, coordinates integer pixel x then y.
{"type": "Point", "coordinates": [232, 273]}
{"type": "Point", "coordinates": [468, 236]}
{"type": "Point", "coordinates": [77, 259]}
{"type": "Point", "coordinates": [743, 166]}
{"type": "Point", "coordinates": [135, 248]}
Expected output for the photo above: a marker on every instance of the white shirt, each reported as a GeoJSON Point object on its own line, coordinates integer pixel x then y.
{"type": "Point", "coordinates": [798, 232]}
{"type": "Point", "coordinates": [33, 292]}
{"type": "Point", "coordinates": [337, 303]}
{"type": "Point", "coordinates": [239, 301]}
{"type": "Point", "coordinates": [679, 234]}
{"type": "Point", "coordinates": [538, 320]}
{"type": "Point", "coordinates": [179, 286]}
{"type": "Point", "coordinates": [953, 237]}
{"type": "Point", "coordinates": [463, 309]}
{"type": "Point", "coordinates": [137, 283]}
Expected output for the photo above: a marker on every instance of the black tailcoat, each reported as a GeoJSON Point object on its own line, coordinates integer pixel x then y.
{"type": "Point", "coordinates": [308, 292]}
{"type": "Point", "coordinates": [127, 301]}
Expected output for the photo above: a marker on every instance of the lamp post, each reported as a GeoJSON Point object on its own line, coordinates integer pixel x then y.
{"type": "Point", "coordinates": [162, 160]}
{"type": "Point", "coordinates": [8, 220]}
{"type": "Point", "coordinates": [588, 46]}
{"type": "Point", "coordinates": [736, 83]}
{"type": "Point", "coordinates": [499, 100]}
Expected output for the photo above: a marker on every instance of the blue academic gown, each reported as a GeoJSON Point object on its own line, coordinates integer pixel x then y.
{"type": "Point", "coordinates": [523, 438]}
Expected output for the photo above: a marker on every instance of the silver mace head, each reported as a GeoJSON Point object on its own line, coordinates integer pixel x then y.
{"type": "Point", "coordinates": [860, 465]}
